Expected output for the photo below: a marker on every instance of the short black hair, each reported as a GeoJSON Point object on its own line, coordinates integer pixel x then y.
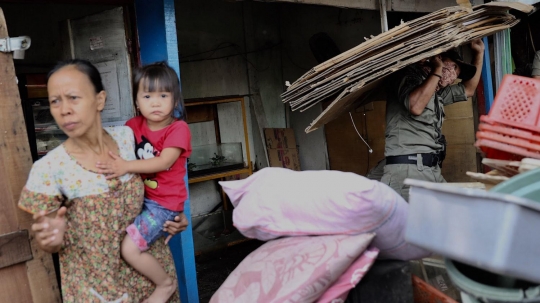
{"type": "Point", "coordinates": [160, 76]}
{"type": "Point", "coordinates": [84, 67]}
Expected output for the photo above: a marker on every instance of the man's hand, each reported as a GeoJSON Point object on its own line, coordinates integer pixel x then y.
{"type": "Point", "coordinates": [113, 169]}
{"type": "Point", "coordinates": [477, 45]}
{"type": "Point", "coordinates": [470, 85]}
{"type": "Point", "coordinates": [436, 63]}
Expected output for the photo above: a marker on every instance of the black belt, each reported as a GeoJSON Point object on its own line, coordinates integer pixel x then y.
{"type": "Point", "coordinates": [427, 159]}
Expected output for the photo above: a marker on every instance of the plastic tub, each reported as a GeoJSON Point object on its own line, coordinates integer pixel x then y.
{"type": "Point", "coordinates": [478, 285]}
{"type": "Point", "coordinates": [494, 231]}
{"type": "Point", "coordinates": [525, 185]}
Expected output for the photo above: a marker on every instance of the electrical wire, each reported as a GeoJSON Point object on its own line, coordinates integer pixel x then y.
{"type": "Point", "coordinates": [239, 53]}
{"type": "Point", "coordinates": [352, 120]}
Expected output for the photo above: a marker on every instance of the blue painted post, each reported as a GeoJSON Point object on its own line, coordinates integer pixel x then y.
{"type": "Point", "coordinates": [156, 25]}
{"type": "Point", "coordinates": [486, 76]}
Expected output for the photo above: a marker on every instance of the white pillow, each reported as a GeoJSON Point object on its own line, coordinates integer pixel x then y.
{"type": "Point", "coordinates": [276, 202]}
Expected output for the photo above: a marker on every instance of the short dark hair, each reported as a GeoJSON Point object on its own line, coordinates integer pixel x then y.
{"type": "Point", "coordinates": [84, 67]}
{"type": "Point", "coordinates": [160, 76]}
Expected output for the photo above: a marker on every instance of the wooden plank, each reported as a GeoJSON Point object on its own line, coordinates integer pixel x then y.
{"type": "Point", "coordinates": [256, 102]}
{"type": "Point", "coordinates": [460, 158]}
{"type": "Point", "coordinates": [219, 175]}
{"type": "Point", "coordinates": [459, 131]}
{"type": "Point", "coordinates": [376, 127]}
{"type": "Point", "coordinates": [425, 6]}
{"type": "Point", "coordinates": [13, 283]}
{"type": "Point", "coordinates": [14, 248]}
{"type": "Point", "coordinates": [346, 151]}
{"type": "Point", "coordinates": [201, 113]}
{"type": "Point", "coordinates": [37, 278]}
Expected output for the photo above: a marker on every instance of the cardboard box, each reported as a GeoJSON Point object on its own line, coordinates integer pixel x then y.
{"type": "Point", "coordinates": [286, 158]}
{"type": "Point", "coordinates": [279, 138]}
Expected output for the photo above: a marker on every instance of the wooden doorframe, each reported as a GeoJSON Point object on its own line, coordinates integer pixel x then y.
{"type": "Point", "coordinates": [34, 280]}
{"type": "Point", "coordinates": [156, 26]}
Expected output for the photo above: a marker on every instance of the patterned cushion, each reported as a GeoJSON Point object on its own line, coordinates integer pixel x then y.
{"type": "Point", "coordinates": [294, 269]}
{"type": "Point", "coordinates": [338, 292]}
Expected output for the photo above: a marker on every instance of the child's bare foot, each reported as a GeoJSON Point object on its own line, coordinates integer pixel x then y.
{"type": "Point", "coordinates": [163, 292]}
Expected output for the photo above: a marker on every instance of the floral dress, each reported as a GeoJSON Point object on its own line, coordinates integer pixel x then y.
{"type": "Point", "coordinates": [99, 211]}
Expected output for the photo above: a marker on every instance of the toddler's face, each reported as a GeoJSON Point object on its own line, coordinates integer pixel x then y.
{"type": "Point", "coordinates": [156, 106]}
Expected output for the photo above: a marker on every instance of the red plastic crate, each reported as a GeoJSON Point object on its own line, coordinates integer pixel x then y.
{"type": "Point", "coordinates": [511, 140]}
{"type": "Point", "coordinates": [510, 131]}
{"type": "Point", "coordinates": [510, 152]}
{"type": "Point", "coordinates": [425, 293]}
{"type": "Point", "coordinates": [517, 103]}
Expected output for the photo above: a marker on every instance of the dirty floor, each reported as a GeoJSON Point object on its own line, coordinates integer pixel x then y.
{"type": "Point", "coordinates": [214, 267]}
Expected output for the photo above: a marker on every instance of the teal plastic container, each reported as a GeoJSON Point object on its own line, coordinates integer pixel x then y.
{"type": "Point", "coordinates": [480, 286]}
{"type": "Point", "coordinates": [526, 185]}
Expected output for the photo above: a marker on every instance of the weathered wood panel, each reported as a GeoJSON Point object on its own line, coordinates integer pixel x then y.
{"type": "Point", "coordinates": [346, 151]}
{"type": "Point", "coordinates": [14, 248]}
{"type": "Point", "coordinates": [458, 128]}
{"type": "Point", "coordinates": [101, 39]}
{"type": "Point", "coordinates": [398, 6]}
{"type": "Point", "coordinates": [34, 281]}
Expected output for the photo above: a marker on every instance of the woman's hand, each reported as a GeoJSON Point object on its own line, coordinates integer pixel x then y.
{"type": "Point", "coordinates": [179, 224]}
{"type": "Point", "coordinates": [116, 168]}
{"type": "Point", "coordinates": [49, 231]}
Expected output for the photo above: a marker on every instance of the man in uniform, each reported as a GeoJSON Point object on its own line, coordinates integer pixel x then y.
{"type": "Point", "coordinates": [536, 65]}
{"type": "Point", "coordinates": [415, 146]}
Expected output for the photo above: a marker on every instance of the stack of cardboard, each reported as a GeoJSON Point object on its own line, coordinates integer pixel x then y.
{"type": "Point", "coordinates": [354, 77]}
{"type": "Point", "coordinates": [281, 147]}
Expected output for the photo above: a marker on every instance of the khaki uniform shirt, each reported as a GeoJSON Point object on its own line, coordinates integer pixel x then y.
{"type": "Point", "coordinates": [536, 64]}
{"type": "Point", "coordinates": [409, 134]}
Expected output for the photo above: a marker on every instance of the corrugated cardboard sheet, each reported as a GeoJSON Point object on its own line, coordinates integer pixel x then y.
{"type": "Point", "coordinates": [353, 78]}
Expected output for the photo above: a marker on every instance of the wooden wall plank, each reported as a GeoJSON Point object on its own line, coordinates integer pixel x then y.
{"type": "Point", "coordinates": [38, 276]}
{"type": "Point", "coordinates": [346, 151]}
{"type": "Point", "coordinates": [14, 248]}
{"type": "Point", "coordinates": [460, 158]}
{"type": "Point", "coordinates": [398, 6]}
{"type": "Point", "coordinates": [13, 283]}
{"type": "Point", "coordinates": [458, 127]}
{"type": "Point", "coordinates": [201, 113]}
{"type": "Point", "coordinates": [376, 127]}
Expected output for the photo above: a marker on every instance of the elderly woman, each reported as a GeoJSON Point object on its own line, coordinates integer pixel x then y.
{"type": "Point", "coordinates": [78, 212]}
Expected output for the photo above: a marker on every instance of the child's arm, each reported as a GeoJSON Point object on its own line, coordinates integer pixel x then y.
{"type": "Point", "coordinates": [118, 166]}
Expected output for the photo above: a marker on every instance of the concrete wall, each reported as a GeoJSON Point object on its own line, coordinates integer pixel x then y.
{"type": "Point", "coordinates": [41, 22]}
{"type": "Point", "coordinates": [218, 46]}
{"type": "Point", "coordinates": [347, 27]}
{"type": "Point", "coordinates": [269, 40]}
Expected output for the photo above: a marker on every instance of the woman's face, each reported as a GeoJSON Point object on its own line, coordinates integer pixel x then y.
{"type": "Point", "coordinates": [75, 105]}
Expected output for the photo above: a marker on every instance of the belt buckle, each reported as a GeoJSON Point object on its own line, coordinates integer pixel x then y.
{"type": "Point", "coordinates": [435, 159]}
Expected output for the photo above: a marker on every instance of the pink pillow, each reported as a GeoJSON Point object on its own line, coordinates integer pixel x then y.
{"type": "Point", "coordinates": [276, 202]}
{"type": "Point", "coordinates": [339, 291]}
{"type": "Point", "coordinates": [294, 269]}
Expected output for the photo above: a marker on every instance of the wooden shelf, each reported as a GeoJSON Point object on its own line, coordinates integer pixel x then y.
{"type": "Point", "coordinates": [212, 102]}
{"type": "Point", "coordinates": [245, 170]}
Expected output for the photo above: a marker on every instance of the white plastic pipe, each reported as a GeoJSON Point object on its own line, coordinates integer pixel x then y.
{"type": "Point", "coordinates": [384, 19]}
